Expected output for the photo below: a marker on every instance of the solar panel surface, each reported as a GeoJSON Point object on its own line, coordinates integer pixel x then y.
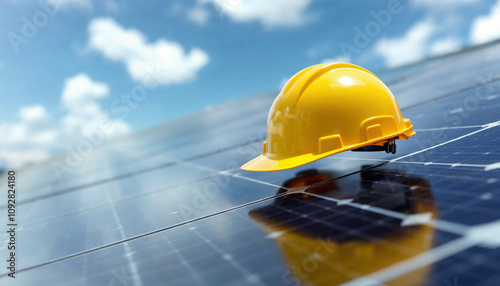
{"type": "Point", "coordinates": [170, 205]}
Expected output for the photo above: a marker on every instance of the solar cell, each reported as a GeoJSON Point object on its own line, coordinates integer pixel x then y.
{"type": "Point", "coordinates": [171, 206]}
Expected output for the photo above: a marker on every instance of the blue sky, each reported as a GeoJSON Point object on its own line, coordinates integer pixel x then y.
{"type": "Point", "coordinates": [66, 66]}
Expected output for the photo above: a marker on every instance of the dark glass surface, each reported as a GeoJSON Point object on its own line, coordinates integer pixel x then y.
{"type": "Point", "coordinates": [468, 267]}
{"type": "Point", "coordinates": [263, 243]}
{"type": "Point", "coordinates": [171, 206]}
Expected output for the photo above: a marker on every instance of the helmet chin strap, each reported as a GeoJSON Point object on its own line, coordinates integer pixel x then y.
{"type": "Point", "coordinates": [388, 147]}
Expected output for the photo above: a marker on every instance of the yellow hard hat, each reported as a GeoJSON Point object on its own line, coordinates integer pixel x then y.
{"type": "Point", "coordinates": [326, 109]}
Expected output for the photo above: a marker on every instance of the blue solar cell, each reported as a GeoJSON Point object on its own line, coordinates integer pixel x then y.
{"type": "Point", "coordinates": [171, 206]}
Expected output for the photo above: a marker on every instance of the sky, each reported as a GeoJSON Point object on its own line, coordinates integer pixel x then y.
{"type": "Point", "coordinates": [74, 71]}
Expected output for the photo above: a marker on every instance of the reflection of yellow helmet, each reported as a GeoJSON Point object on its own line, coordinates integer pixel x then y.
{"type": "Point", "coordinates": [324, 261]}
{"type": "Point", "coordinates": [345, 243]}
{"type": "Point", "coordinates": [326, 109]}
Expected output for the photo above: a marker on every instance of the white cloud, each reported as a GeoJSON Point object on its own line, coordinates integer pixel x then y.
{"type": "Point", "coordinates": [445, 46]}
{"type": "Point", "coordinates": [409, 48]}
{"type": "Point", "coordinates": [339, 59]}
{"type": "Point", "coordinates": [486, 28]}
{"type": "Point", "coordinates": [198, 15]}
{"type": "Point", "coordinates": [165, 62]}
{"type": "Point", "coordinates": [276, 13]}
{"type": "Point", "coordinates": [80, 92]}
{"type": "Point", "coordinates": [36, 135]}
{"type": "Point", "coordinates": [27, 140]}
{"type": "Point", "coordinates": [34, 123]}
{"type": "Point", "coordinates": [79, 98]}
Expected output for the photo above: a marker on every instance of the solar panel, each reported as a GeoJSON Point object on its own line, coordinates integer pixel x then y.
{"type": "Point", "coordinates": [171, 206]}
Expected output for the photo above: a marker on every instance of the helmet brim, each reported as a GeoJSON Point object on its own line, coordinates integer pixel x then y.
{"type": "Point", "coordinates": [266, 164]}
